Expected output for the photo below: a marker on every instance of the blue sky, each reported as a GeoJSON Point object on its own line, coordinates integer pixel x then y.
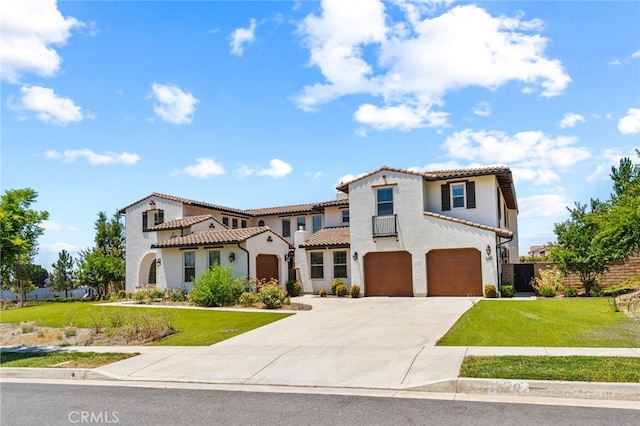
{"type": "Point", "coordinates": [256, 104]}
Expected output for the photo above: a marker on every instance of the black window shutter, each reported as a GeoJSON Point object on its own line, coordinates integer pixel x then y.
{"type": "Point", "coordinates": [144, 221]}
{"type": "Point", "coordinates": [160, 216]}
{"type": "Point", "coordinates": [446, 200]}
{"type": "Point", "coordinates": [471, 195]}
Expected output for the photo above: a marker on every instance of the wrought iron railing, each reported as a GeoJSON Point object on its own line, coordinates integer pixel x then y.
{"type": "Point", "coordinates": [385, 226]}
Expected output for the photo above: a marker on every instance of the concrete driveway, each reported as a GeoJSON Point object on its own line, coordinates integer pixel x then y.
{"type": "Point", "coordinates": [369, 342]}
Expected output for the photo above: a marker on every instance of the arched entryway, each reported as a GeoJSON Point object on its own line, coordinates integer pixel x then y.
{"type": "Point", "coordinates": [148, 270]}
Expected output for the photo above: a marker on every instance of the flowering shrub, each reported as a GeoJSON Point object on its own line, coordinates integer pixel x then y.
{"type": "Point", "coordinates": [549, 283]}
{"type": "Point", "coordinates": [272, 296]}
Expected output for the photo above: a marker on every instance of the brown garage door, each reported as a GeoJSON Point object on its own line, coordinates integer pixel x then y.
{"type": "Point", "coordinates": [388, 274]}
{"type": "Point", "coordinates": [266, 266]}
{"type": "Point", "coordinates": [454, 272]}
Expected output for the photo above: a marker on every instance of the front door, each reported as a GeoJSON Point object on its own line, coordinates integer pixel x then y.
{"type": "Point", "coordinates": [267, 267]}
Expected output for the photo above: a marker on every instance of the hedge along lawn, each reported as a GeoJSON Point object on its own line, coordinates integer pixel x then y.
{"type": "Point", "coordinates": [197, 327]}
{"type": "Point", "coordinates": [569, 322]}
{"type": "Point", "coordinates": [569, 368]}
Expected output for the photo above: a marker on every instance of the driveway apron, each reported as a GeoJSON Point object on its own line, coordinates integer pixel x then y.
{"type": "Point", "coordinates": [368, 342]}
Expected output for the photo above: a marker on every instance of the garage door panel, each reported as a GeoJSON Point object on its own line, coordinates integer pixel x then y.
{"type": "Point", "coordinates": [454, 272]}
{"type": "Point", "coordinates": [388, 274]}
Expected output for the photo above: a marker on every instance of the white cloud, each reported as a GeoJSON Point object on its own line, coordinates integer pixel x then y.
{"type": "Point", "coordinates": [349, 177]}
{"type": "Point", "coordinates": [316, 175]}
{"type": "Point", "coordinates": [483, 109]}
{"type": "Point", "coordinates": [241, 36]}
{"type": "Point", "coordinates": [630, 123]}
{"type": "Point", "coordinates": [611, 157]}
{"type": "Point", "coordinates": [95, 159]}
{"type": "Point", "coordinates": [47, 106]}
{"type": "Point", "coordinates": [634, 55]}
{"type": "Point", "coordinates": [172, 104]}
{"type": "Point", "coordinates": [527, 149]}
{"type": "Point", "coordinates": [29, 30]}
{"type": "Point", "coordinates": [541, 175]}
{"type": "Point", "coordinates": [277, 169]}
{"type": "Point", "coordinates": [54, 225]}
{"type": "Point", "coordinates": [570, 119]}
{"type": "Point", "coordinates": [204, 168]}
{"type": "Point", "coordinates": [545, 205]}
{"type": "Point", "coordinates": [55, 248]}
{"type": "Point", "coordinates": [360, 50]}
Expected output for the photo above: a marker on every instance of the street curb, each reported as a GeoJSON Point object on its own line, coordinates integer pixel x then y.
{"type": "Point", "coordinates": [557, 389]}
{"type": "Point", "coordinates": [53, 373]}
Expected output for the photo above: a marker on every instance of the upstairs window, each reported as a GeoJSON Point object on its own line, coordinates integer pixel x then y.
{"type": "Point", "coordinates": [302, 223]}
{"type": "Point", "coordinates": [243, 223]}
{"type": "Point", "coordinates": [385, 201]}
{"type": "Point", "coordinates": [459, 195]}
{"type": "Point", "coordinates": [317, 223]}
{"type": "Point", "coordinates": [261, 222]}
{"type": "Point", "coordinates": [156, 216]}
{"type": "Point", "coordinates": [345, 216]}
{"type": "Point", "coordinates": [286, 228]}
{"type": "Point", "coordinates": [225, 221]}
{"type": "Point", "coordinates": [234, 223]}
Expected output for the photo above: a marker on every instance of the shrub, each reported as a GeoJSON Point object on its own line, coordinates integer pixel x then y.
{"type": "Point", "coordinates": [27, 326]}
{"type": "Point", "coordinates": [250, 284]}
{"type": "Point", "coordinates": [272, 296]}
{"type": "Point", "coordinates": [507, 290]}
{"type": "Point", "coordinates": [341, 290]}
{"type": "Point", "coordinates": [70, 331]}
{"type": "Point", "coordinates": [549, 283]}
{"type": "Point", "coordinates": [335, 283]}
{"type": "Point", "coordinates": [216, 287]}
{"type": "Point", "coordinates": [178, 295]}
{"type": "Point", "coordinates": [627, 286]}
{"type": "Point", "coordinates": [570, 292]}
{"type": "Point", "coordinates": [355, 291]}
{"type": "Point", "coordinates": [140, 296]}
{"type": "Point", "coordinates": [247, 299]}
{"type": "Point", "coordinates": [323, 292]}
{"type": "Point", "coordinates": [146, 326]}
{"type": "Point", "coordinates": [294, 288]}
{"type": "Point", "coordinates": [116, 317]}
{"type": "Point", "coordinates": [490, 291]}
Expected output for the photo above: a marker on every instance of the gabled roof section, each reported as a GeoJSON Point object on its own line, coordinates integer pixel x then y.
{"type": "Point", "coordinates": [188, 202]}
{"type": "Point", "coordinates": [186, 222]}
{"type": "Point", "coordinates": [502, 174]}
{"type": "Point", "coordinates": [500, 232]}
{"type": "Point", "coordinates": [223, 236]}
{"type": "Point", "coordinates": [331, 237]}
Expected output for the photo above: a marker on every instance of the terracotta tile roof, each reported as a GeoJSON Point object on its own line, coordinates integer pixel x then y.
{"type": "Point", "coordinates": [186, 222]}
{"type": "Point", "coordinates": [223, 236]}
{"type": "Point", "coordinates": [500, 232]}
{"type": "Point", "coordinates": [332, 237]}
{"type": "Point", "coordinates": [188, 202]}
{"type": "Point", "coordinates": [502, 173]}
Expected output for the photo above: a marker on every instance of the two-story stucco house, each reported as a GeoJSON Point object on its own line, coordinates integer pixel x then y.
{"type": "Point", "coordinates": [393, 232]}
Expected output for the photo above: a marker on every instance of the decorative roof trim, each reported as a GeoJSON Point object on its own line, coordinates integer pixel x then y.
{"type": "Point", "coordinates": [500, 232]}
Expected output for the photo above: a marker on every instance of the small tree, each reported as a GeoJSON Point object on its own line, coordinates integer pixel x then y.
{"type": "Point", "coordinates": [62, 278]}
{"type": "Point", "coordinates": [577, 250]}
{"type": "Point", "coordinates": [216, 287]}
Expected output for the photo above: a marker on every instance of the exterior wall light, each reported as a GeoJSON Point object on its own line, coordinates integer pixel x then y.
{"type": "Point", "coordinates": [232, 257]}
{"type": "Point", "coordinates": [355, 255]}
{"type": "Point", "coordinates": [488, 250]}
{"type": "Point", "coordinates": [158, 262]}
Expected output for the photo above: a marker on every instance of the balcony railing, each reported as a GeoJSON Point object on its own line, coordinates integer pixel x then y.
{"type": "Point", "coordinates": [385, 226]}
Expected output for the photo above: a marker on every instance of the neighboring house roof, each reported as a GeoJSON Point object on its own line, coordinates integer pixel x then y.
{"type": "Point", "coordinates": [500, 232]}
{"type": "Point", "coordinates": [223, 236]}
{"type": "Point", "coordinates": [267, 211]}
{"type": "Point", "coordinates": [332, 237]}
{"type": "Point", "coordinates": [185, 222]}
{"type": "Point", "coordinates": [502, 173]}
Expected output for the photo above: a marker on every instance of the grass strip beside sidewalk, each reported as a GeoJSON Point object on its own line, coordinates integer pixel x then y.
{"type": "Point", "coordinates": [39, 359]}
{"type": "Point", "coordinates": [566, 368]}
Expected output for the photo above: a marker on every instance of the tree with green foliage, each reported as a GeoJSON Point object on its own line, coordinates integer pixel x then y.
{"type": "Point", "coordinates": [19, 232]}
{"type": "Point", "coordinates": [104, 265]}
{"type": "Point", "coordinates": [216, 286]}
{"type": "Point", "coordinates": [62, 278]}
{"type": "Point", "coordinates": [39, 275]}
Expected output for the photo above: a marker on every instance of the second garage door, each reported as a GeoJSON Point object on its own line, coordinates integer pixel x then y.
{"type": "Point", "coordinates": [388, 274]}
{"type": "Point", "coordinates": [454, 272]}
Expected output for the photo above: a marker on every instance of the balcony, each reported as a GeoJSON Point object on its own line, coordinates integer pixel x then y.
{"type": "Point", "coordinates": [385, 226]}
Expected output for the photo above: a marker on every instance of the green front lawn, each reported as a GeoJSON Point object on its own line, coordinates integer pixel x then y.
{"type": "Point", "coordinates": [569, 322]}
{"type": "Point", "coordinates": [197, 327]}
{"type": "Point", "coordinates": [568, 368]}
{"type": "Point", "coordinates": [60, 359]}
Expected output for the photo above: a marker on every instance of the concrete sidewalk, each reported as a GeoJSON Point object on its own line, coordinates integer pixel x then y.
{"type": "Point", "coordinates": [371, 343]}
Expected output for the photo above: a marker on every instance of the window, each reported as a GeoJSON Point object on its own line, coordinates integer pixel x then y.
{"type": "Point", "coordinates": [157, 217]}
{"type": "Point", "coordinates": [286, 228]}
{"type": "Point", "coordinates": [345, 216]}
{"type": "Point", "coordinates": [189, 266]}
{"type": "Point", "coordinates": [243, 223]}
{"type": "Point", "coordinates": [457, 195]}
{"type": "Point", "coordinates": [214, 258]}
{"type": "Point", "coordinates": [152, 273]}
{"type": "Point", "coordinates": [385, 201]}
{"type": "Point", "coordinates": [317, 265]}
{"type": "Point", "coordinates": [302, 223]}
{"type": "Point", "coordinates": [317, 223]}
{"type": "Point", "coordinates": [234, 223]}
{"type": "Point", "coordinates": [225, 220]}
{"type": "Point", "coordinates": [339, 264]}
{"type": "Point", "coordinates": [261, 223]}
